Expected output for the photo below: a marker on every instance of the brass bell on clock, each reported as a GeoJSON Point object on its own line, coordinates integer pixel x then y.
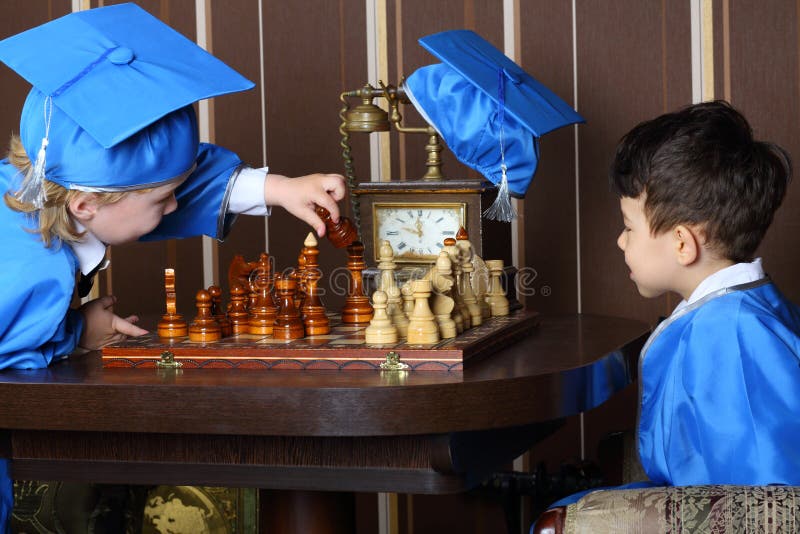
{"type": "Point", "coordinates": [415, 216]}
{"type": "Point", "coordinates": [367, 117]}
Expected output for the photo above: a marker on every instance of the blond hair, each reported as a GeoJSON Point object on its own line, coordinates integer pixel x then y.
{"type": "Point", "coordinates": [55, 221]}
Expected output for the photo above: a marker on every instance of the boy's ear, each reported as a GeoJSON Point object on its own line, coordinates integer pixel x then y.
{"type": "Point", "coordinates": [83, 206]}
{"type": "Point", "coordinates": [687, 243]}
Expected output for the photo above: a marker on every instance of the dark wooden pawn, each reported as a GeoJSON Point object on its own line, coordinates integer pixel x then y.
{"type": "Point", "coordinates": [262, 309]}
{"type": "Point", "coordinates": [218, 311]}
{"type": "Point", "coordinates": [288, 324]}
{"type": "Point", "coordinates": [357, 308]}
{"type": "Point", "coordinates": [237, 315]}
{"type": "Point", "coordinates": [204, 328]}
{"type": "Point", "coordinates": [312, 312]}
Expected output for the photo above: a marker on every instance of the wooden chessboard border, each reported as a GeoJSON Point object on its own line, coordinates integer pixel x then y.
{"type": "Point", "coordinates": [323, 352]}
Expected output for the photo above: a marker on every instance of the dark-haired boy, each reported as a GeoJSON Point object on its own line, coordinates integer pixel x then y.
{"type": "Point", "coordinates": [720, 377]}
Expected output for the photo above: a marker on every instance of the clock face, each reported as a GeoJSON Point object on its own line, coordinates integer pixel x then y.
{"type": "Point", "coordinates": [416, 230]}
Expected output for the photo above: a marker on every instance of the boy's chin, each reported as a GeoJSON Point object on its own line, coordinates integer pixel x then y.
{"type": "Point", "coordinates": [649, 293]}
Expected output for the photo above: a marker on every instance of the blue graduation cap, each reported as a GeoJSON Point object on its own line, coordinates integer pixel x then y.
{"type": "Point", "coordinates": [488, 110]}
{"type": "Point", "coordinates": [111, 104]}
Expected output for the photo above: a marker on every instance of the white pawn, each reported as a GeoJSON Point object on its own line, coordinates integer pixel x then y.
{"type": "Point", "coordinates": [462, 319]}
{"type": "Point", "coordinates": [380, 330]}
{"type": "Point", "coordinates": [422, 327]}
{"type": "Point", "coordinates": [394, 309]}
{"type": "Point", "coordinates": [387, 267]}
{"type": "Point", "coordinates": [467, 294]}
{"type": "Point", "coordinates": [408, 299]}
{"type": "Point", "coordinates": [480, 285]}
{"type": "Point", "coordinates": [496, 297]}
{"type": "Point", "coordinates": [443, 303]}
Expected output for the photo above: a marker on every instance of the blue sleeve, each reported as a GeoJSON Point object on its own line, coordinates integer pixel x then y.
{"type": "Point", "coordinates": [734, 399]}
{"type": "Point", "coordinates": [36, 324]}
{"type": "Point", "coordinates": [203, 198]}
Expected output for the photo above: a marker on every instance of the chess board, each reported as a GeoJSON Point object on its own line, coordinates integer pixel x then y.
{"type": "Point", "coordinates": [344, 348]}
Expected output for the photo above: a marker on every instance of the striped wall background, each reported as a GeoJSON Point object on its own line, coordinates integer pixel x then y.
{"type": "Point", "coordinates": [618, 61]}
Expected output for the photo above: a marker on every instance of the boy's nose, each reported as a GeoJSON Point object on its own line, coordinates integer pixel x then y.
{"type": "Point", "coordinates": [621, 241]}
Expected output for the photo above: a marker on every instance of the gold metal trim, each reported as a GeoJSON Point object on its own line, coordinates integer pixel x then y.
{"type": "Point", "coordinates": [168, 361]}
{"type": "Point", "coordinates": [393, 362]}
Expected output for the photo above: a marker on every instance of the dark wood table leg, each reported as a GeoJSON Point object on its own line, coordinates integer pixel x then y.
{"type": "Point", "coordinates": [320, 512]}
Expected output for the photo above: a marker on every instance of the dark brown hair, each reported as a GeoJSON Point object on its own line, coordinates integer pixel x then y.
{"type": "Point", "coordinates": [701, 166]}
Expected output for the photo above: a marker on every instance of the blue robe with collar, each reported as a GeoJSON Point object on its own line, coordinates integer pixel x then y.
{"type": "Point", "coordinates": [37, 325]}
{"type": "Point", "coordinates": [719, 392]}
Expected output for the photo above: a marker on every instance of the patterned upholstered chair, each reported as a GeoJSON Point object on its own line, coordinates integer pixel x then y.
{"type": "Point", "coordinates": [673, 510]}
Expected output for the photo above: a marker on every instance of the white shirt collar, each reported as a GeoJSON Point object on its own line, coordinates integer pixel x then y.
{"type": "Point", "coordinates": [90, 251]}
{"type": "Point", "coordinates": [740, 273]}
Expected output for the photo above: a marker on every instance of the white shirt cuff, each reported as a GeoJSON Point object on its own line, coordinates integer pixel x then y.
{"type": "Point", "coordinates": [247, 197]}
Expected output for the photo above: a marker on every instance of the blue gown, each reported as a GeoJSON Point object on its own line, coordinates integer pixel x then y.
{"type": "Point", "coordinates": [37, 325]}
{"type": "Point", "coordinates": [719, 392]}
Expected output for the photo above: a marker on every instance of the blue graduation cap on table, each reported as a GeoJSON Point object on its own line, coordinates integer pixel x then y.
{"type": "Point", "coordinates": [111, 102]}
{"type": "Point", "coordinates": [488, 110]}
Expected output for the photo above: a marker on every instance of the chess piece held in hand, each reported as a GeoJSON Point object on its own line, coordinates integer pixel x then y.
{"type": "Point", "coordinates": [341, 234]}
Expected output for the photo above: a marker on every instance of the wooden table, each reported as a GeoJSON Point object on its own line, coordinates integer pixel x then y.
{"type": "Point", "coordinates": [325, 431]}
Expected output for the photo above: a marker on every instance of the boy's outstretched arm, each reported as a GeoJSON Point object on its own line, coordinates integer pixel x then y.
{"type": "Point", "coordinates": [300, 196]}
{"type": "Point", "coordinates": [101, 326]}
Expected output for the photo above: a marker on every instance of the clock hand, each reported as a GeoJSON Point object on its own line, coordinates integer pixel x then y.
{"type": "Point", "coordinates": [418, 232]}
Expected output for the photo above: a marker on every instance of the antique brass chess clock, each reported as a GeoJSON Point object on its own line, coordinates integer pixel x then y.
{"type": "Point", "coordinates": [414, 216]}
{"type": "Point", "coordinates": [416, 229]}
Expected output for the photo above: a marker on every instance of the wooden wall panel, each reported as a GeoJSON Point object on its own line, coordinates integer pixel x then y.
{"type": "Point", "coordinates": [549, 216]}
{"type": "Point", "coordinates": [15, 89]}
{"type": "Point", "coordinates": [764, 76]}
{"type": "Point", "coordinates": [411, 20]}
{"type": "Point", "coordinates": [614, 95]}
{"type": "Point", "coordinates": [237, 118]}
{"type": "Point", "coordinates": [313, 51]}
